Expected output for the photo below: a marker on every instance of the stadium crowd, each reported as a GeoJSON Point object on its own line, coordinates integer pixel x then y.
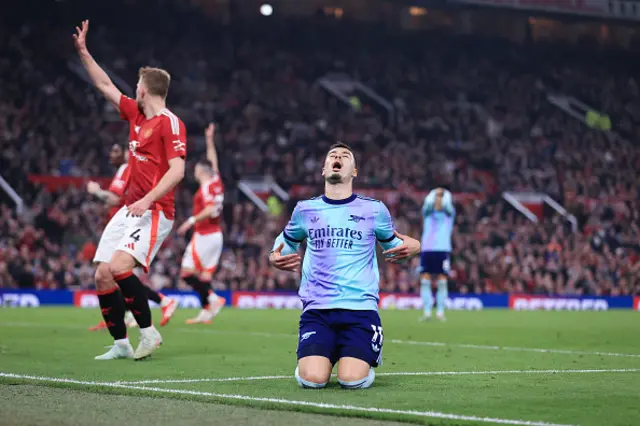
{"type": "Point", "coordinates": [464, 121]}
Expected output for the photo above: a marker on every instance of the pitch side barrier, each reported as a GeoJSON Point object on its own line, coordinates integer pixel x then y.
{"type": "Point", "coordinates": [15, 298]}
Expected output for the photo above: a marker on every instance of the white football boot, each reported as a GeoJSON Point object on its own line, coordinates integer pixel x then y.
{"type": "Point", "coordinates": [120, 349]}
{"type": "Point", "coordinates": [168, 306]}
{"type": "Point", "coordinates": [204, 317]}
{"type": "Point", "coordinates": [150, 340]}
{"type": "Point", "coordinates": [215, 304]}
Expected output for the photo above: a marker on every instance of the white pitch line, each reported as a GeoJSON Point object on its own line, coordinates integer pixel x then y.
{"type": "Point", "coordinates": [399, 373]}
{"type": "Point", "coordinates": [432, 414]}
{"type": "Point", "coordinates": [393, 341]}
{"type": "Point", "coordinates": [213, 379]}
{"type": "Point", "coordinates": [512, 348]}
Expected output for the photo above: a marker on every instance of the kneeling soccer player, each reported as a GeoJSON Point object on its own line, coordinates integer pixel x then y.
{"type": "Point", "coordinates": [340, 279]}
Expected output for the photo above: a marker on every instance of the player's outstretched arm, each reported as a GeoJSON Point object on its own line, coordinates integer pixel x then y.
{"type": "Point", "coordinates": [205, 213]}
{"type": "Point", "coordinates": [99, 78]}
{"type": "Point", "coordinates": [108, 197]}
{"type": "Point", "coordinates": [212, 155]}
{"type": "Point", "coordinates": [171, 178]}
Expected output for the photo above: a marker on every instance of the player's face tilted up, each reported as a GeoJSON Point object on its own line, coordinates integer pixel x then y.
{"type": "Point", "coordinates": [340, 280]}
{"type": "Point", "coordinates": [339, 167]}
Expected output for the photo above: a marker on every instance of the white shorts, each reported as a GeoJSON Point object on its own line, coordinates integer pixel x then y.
{"type": "Point", "coordinates": [141, 237]}
{"type": "Point", "coordinates": [203, 252]}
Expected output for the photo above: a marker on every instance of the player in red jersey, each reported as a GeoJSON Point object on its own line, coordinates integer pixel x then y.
{"type": "Point", "coordinates": [113, 199]}
{"type": "Point", "coordinates": [133, 236]}
{"type": "Point", "coordinates": [203, 252]}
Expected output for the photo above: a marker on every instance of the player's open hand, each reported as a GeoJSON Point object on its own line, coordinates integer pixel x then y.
{"type": "Point", "coordinates": [290, 262]}
{"type": "Point", "coordinates": [184, 228]}
{"type": "Point", "coordinates": [138, 208]}
{"type": "Point", "coordinates": [80, 37]}
{"type": "Point", "coordinates": [93, 187]}
{"type": "Point", "coordinates": [409, 248]}
{"type": "Point", "coordinates": [209, 132]}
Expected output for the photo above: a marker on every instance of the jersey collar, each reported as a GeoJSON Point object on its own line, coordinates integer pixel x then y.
{"type": "Point", "coordinates": [343, 201]}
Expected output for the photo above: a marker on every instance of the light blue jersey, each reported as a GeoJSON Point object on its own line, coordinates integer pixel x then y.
{"type": "Point", "coordinates": [438, 224]}
{"type": "Point", "coordinates": [340, 267]}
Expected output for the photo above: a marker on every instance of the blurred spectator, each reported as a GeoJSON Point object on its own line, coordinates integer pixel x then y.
{"type": "Point", "coordinates": [472, 115]}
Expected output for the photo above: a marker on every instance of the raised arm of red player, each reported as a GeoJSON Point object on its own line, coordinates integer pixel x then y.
{"type": "Point", "coordinates": [99, 78]}
{"type": "Point", "coordinates": [212, 156]}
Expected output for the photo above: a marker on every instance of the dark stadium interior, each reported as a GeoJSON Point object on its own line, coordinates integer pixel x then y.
{"type": "Point", "coordinates": [471, 112]}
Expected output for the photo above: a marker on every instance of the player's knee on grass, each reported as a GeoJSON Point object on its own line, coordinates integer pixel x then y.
{"type": "Point", "coordinates": [121, 262]}
{"type": "Point", "coordinates": [363, 383]}
{"type": "Point", "coordinates": [355, 373]}
{"type": "Point", "coordinates": [313, 372]}
{"type": "Point", "coordinates": [104, 279]}
{"type": "Point", "coordinates": [310, 381]}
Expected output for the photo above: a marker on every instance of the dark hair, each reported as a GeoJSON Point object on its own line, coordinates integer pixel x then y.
{"type": "Point", "coordinates": [119, 146]}
{"type": "Point", "coordinates": [342, 145]}
{"type": "Point", "coordinates": [206, 163]}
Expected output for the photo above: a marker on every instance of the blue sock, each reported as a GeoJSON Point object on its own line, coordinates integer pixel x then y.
{"type": "Point", "coordinates": [441, 296]}
{"type": "Point", "coordinates": [426, 295]}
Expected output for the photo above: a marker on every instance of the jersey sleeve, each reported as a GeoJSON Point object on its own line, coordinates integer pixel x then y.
{"type": "Point", "coordinates": [429, 202]}
{"type": "Point", "coordinates": [447, 204]}
{"type": "Point", "coordinates": [119, 182]}
{"type": "Point", "coordinates": [128, 108]}
{"type": "Point", "coordinates": [293, 234]}
{"type": "Point", "coordinates": [384, 229]}
{"type": "Point", "coordinates": [174, 137]}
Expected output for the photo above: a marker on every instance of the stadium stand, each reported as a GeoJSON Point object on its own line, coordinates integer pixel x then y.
{"type": "Point", "coordinates": [470, 114]}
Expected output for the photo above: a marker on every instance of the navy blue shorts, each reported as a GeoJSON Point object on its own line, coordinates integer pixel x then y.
{"type": "Point", "coordinates": [337, 333]}
{"type": "Point", "coordinates": [435, 262]}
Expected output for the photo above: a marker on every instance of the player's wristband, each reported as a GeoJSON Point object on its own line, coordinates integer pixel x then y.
{"type": "Point", "coordinates": [191, 220]}
{"type": "Point", "coordinates": [102, 194]}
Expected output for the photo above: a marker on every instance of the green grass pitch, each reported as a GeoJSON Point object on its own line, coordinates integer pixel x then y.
{"type": "Point", "coordinates": [528, 368]}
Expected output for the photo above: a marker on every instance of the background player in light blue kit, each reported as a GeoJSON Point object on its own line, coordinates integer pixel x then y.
{"type": "Point", "coordinates": [339, 286]}
{"type": "Point", "coordinates": [439, 217]}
